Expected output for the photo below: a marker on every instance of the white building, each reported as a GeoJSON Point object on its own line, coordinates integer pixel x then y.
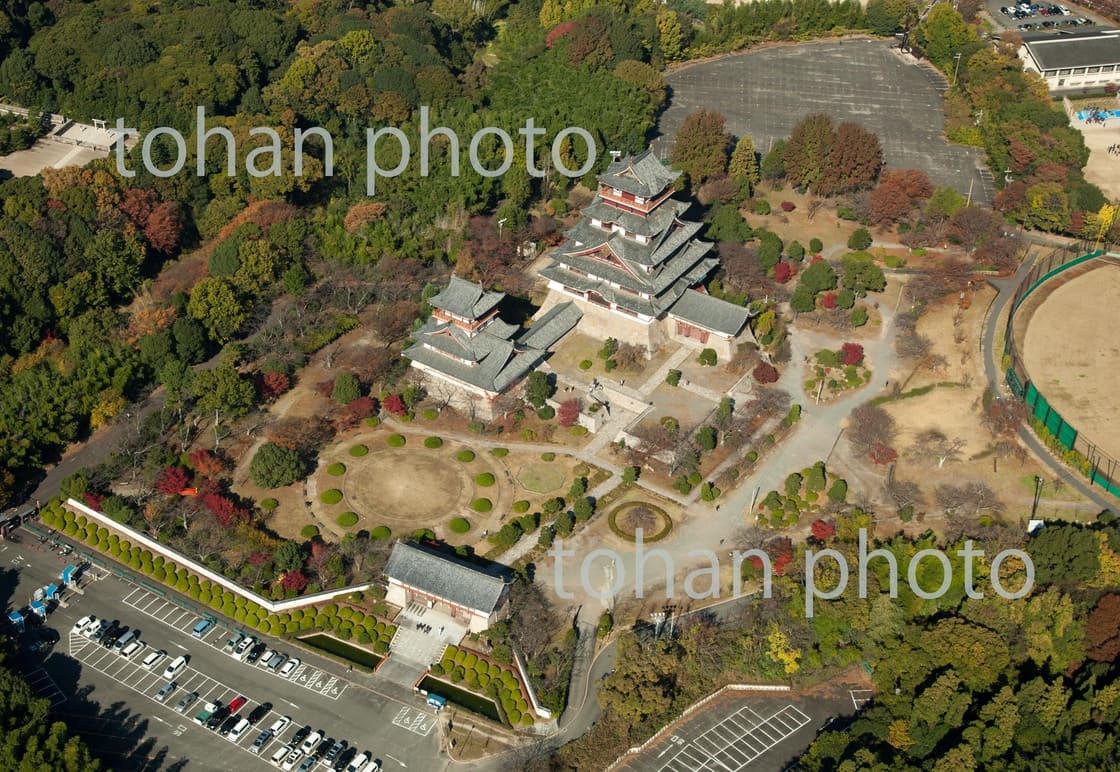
{"type": "Point", "coordinates": [467, 593]}
{"type": "Point", "coordinates": [1073, 59]}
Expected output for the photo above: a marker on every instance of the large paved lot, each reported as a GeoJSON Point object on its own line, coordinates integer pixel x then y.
{"type": "Point", "coordinates": [764, 93]}
{"type": "Point", "coordinates": [46, 154]}
{"type": "Point", "coordinates": [111, 700]}
{"type": "Point", "coordinates": [744, 730]}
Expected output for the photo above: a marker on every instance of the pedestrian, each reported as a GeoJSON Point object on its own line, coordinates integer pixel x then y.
{"type": "Point", "coordinates": [349, 668]}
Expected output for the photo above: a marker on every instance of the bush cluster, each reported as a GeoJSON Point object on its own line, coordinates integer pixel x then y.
{"type": "Point", "coordinates": [472, 672]}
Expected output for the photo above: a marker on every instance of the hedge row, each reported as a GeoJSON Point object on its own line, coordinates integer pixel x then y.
{"type": "Point", "coordinates": [484, 677]}
{"type": "Point", "coordinates": [347, 623]}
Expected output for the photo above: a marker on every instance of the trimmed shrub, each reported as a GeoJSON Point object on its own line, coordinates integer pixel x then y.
{"type": "Point", "coordinates": [269, 504]}
{"type": "Point", "coordinates": [395, 440]}
{"type": "Point", "coordinates": [433, 442]}
{"type": "Point", "coordinates": [482, 505]}
{"type": "Point", "coordinates": [585, 364]}
{"type": "Point", "coordinates": [548, 456]}
{"type": "Point", "coordinates": [373, 422]}
{"type": "Point", "coordinates": [332, 496]}
{"type": "Point", "coordinates": [309, 531]}
{"type": "Point", "coordinates": [484, 479]}
{"type": "Point", "coordinates": [521, 507]}
{"type": "Point", "coordinates": [546, 413]}
{"type": "Point", "coordinates": [380, 533]}
{"type": "Point", "coordinates": [430, 414]}
{"type": "Point", "coordinates": [459, 525]}
{"type": "Point", "coordinates": [500, 452]}
{"type": "Point", "coordinates": [347, 519]}
{"type": "Point", "coordinates": [337, 469]}
{"type": "Point", "coordinates": [466, 456]}
{"type": "Point", "coordinates": [357, 451]}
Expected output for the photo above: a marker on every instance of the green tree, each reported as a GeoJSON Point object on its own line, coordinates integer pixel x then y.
{"type": "Point", "coordinates": [216, 304]}
{"type": "Point", "coordinates": [861, 275]}
{"type": "Point", "coordinates": [810, 146]}
{"type": "Point", "coordinates": [944, 35]}
{"type": "Point", "coordinates": [538, 389]}
{"type": "Point", "coordinates": [706, 437]}
{"type": "Point", "coordinates": [860, 239]}
{"type": "Point", "coordinates": [225, 390]}
{"type": "Point", "coordinates": [288, 557]}
{"type": "Point", "coordinates": [700, 148]}
{"type": "Point", "coordinates": [818, 277]}
{"type": "Point", "coordinates": [743, 166]}
{"type": "Point", "coordinates": [769, 249]}
{"type": "Point", "coordinates": [803, 300]}
{"type": "Point", "coordinates": [773, 163]}
{"type": "Point", "coordinates": [274, 466]}
{"type": "Point", "coordinates": [346, 388]}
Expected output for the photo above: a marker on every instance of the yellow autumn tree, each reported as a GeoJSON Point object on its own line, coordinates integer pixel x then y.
{"type": "Point", "coordinates": [898, 735]}
{"type": "Point", "coordinates": [781, 651]}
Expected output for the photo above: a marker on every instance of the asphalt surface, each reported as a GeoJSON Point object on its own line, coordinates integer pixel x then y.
{"type": "Point", "coordinates": [110, 700]}
{"type": "Point", "coordinates": [765, 92]}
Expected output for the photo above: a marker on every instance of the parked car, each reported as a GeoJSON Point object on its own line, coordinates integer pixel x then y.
{"type": "Point", "coordinates": [185, 702]}
{"type": "Point", "coordinates": [238, 730]}
{"type": "Point", "coordinates": [228, 725]}
{"type": "Point", "coordinates": [358, 762]}
{"type": "Point", "coordinates": [291, 760]}
{"type": "Point", "coordinates": [373, 766]}
{"type": "Point", "coordinates": [152, 658]}
{"type": "Point", "coordinates": [243, 647]}
{"type": "Point", "coordinates": [264, 658]}
{"type": "Point", "coordinates": [259, 743]}
{"type": "Point", "coordinates": [84, 624]}
{"type": "Point", "coordinates": [124, 640]}
{"type": "Point", "coordinates": [300, 735]}
{"type": "Point", "coordinates": [132, 649]}
{"type": "Point", "coordinates": [217, 717]}
{"type": "Point", "coordinates": [162, 694]}
{"type": "Point", "coordinates": [237, 703]}
{"type": "Point", "coordinates": [279, 725]}
{"type": "Point", "coordinates": [310, 741]}
{"type": "Point", "coordinates": [255, 653]}
{"type": "Point", "coordinates": [307, 764]}
{"type": "Point", "coordinates": [201, 628]}
{"type": "Point", "coordinates": [275, 661]}
{"type": "Point", "coordinates": [95, 631]}
{"type": "Point", "coordinates": [343, 759]}
{"type": "Point", "coordinates": [174, 666]}
{"type": "Point", "coordinates": [113, 634]}
{"type": "Point", "coordinates": [232, 643]}
{"type": "Point", "coordinates": [289, 667]}
{"type": "Point", "coordinates": [260, 712]}
{"type": "Point", "coordinates": [280, 754]}
{"type": "Point", "coordinates": [323, 747]}
{"type": "Point", "coordinates": [334, 751]}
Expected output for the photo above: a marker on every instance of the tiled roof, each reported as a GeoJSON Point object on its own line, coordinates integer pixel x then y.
{"type": "Point", "coordinates": [711, 313]}
{"type": "Point", "coordinates": [465, 299]}
{"type": "Point", "coordinates": [641, 175]}
{"type": "Point", "coordinates": [445, 577]}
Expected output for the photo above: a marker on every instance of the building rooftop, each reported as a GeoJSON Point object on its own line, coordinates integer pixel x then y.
{"type": "Point", "coordinates": [1067, 49]}
{"type": "Point", "coordinates": [711, 313]}
{"type": "Point", "coordinates": [445, 577]}
{"type": "Point", "coordinates": [640, 175]}
{"type": "Point", "coordinates": [463, 298]}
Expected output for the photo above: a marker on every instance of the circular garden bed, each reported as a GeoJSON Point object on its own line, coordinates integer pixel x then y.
{"type": "Point", "coordinates": [626, 519]}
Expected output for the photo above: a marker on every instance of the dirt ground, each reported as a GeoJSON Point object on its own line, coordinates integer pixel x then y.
{"type": "Point", "coordinates": [1073, 357]}
{"type": "Point", "coordinates": [1103, 169]}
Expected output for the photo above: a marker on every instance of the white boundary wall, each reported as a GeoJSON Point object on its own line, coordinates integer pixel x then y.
{"type": "Point", "coordinates": [695, 707]}
{"type": "Point", "coordinates": [273, 607]}
{"type": "Point", "coordinates": [539, 709]}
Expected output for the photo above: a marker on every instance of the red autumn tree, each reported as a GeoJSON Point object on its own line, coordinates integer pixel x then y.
{"type": "Point", "coordinates": [781, 552]}
{"type": "Point", "coordinates": [361, 408]}
{"type": "Point", "coordinates": [164, 227]}
{"type": "Point", "coordinates": [851, 353]}
{"type": "Point", "coordinates": [828, 300]}
{"type": "Point", "coordinates": [172, 480]}
{"type": "Point", "coordinates": [395, 405]}
{"type": "Point", "coordinates": [93, 500]}
{"type": "Point", "coordinates": [557, 32]}
{"type": "Point", "coordinates": [783, 272]}
{"type": "Point", "coordinates": [568, 415]}
{"type": "Point", "coordinates": [764, 372]}
{"type": "Point", "coordinates": [1102, 630]}
{"type": "Point", "coordinates": [294, 581]}
{"type": "Point", "coordinates": [273, 384]}
{"type": "Point", "coordinates": [206, 464]}
{"type": "Point", "coordinates": [822, 530]}
{"type": "Point", "coordinates": [882, 454]}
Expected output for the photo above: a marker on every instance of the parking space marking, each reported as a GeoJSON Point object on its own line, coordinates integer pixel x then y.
{"type": "Point", "coordinates": [415, 721]}
{"type": "Point", "coordinates": [43, 685]}
{"type": "Point", "coordinates": [860, 697]}
{"type": "Point", "coordinates": [736, 741]}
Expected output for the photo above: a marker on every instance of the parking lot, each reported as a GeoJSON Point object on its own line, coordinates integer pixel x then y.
{"type": "Point", "coordinates": [110, 699]}
{"type": "Point", "coordinates": [743, 730]}
{"type": "Point", "coordinates": [764, 93]}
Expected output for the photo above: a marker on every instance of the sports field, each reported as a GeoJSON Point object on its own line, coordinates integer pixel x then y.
{"type": "Point", "coordinates": [1072, 353]}
{"type": "Point", "coordinates": [764, 92]}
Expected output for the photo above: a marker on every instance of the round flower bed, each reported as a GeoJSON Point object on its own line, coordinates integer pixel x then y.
{"type": "Point", "coordinates": [347, 519]}
{"type": "Point", "coordinates": [358, 451]}
{"type": "Point", "coordinates": [433, 442]}
{"type": "Point", "coordinates": [482, 505]}
{"type": "Point", "coordinates": [484, 479]}
{"type": "Point", "coordinates": [395, 440]}
{"type": "Point", "coordinates": [626, 519]}
{"type": "Point", "coordinates": [337, 469]}
{"type": "Point", "coordinates": [466, 456]}
{"type": "Point", "coordinates": [459, 525]}
{"type": "Point", "coordinates": [333, 496]}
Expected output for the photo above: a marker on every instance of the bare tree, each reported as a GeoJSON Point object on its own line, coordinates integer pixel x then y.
{"type": "Point", "coordinates": [933, 445]}
{"type": "Point", "coordinates": [904, 493]}
{"type": "Point", "coordinates": [968, 499]}
{"type": "Point", "coordinates": [910, 345]}
{"type": "Point", "coordinates": [870, 426]}
{"type": "Point", "coordinates": [1003, 417]}
{"type": "Point", "coordinates": [629, 356]}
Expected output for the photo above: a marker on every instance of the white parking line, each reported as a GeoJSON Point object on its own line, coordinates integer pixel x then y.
{"type": "Point", "coordinates": [738, 740]}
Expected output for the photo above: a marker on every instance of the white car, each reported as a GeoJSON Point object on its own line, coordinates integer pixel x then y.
{"type": "Point", "coordinates": [94, 631]}
{"type": "Point", "coordinates": [133, 648]}
{"type": "Point", "coordinates": [174, 666]}
{"type": "Point", "coordinates": [264, 658]}
{"type": "Point", "coordinates": [243, 648]}
{"type": "Point", "coordinates": [152, 658]}
{"type": "Point", "coordinates": [279, 725]}
{"type": "Point", "coordinates": [373, 766]}
{"type": "Point", "coordinates": [357, 763]}
{"type": "Point", "coordinates": [289, 666]}
{"type": "Point", "coordinates": [290, 763]}
{"type": "Point", "coordinates": [280, 754]}
{"type": "Point", "coordinates": [311, 742]}
{"type": "Point", "coordinates": [84, 624]}
{"type": "Point", "coordinates": [238, 730]}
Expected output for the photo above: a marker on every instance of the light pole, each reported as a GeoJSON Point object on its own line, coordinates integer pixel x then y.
{"type": "Point", "coordinates": [501, 222]}
{"type": "Point", "coordinates": [956, 56]}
